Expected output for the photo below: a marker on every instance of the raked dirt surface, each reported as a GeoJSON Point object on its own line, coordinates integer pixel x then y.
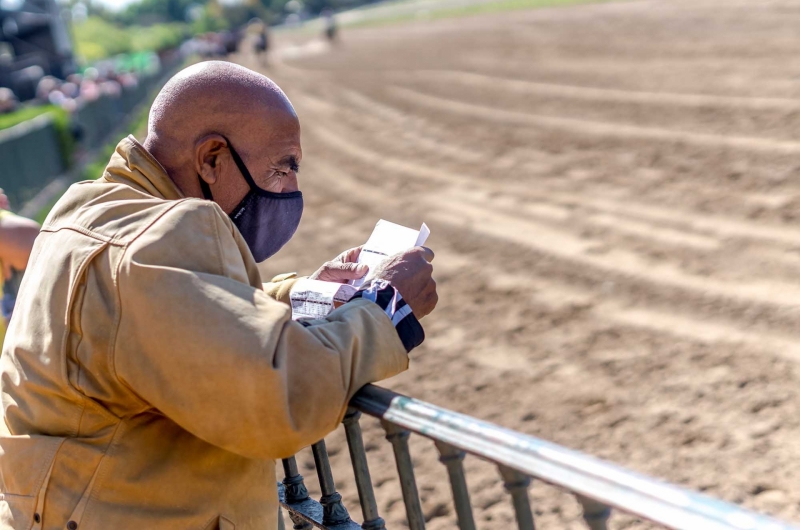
{"type": "Point", "coordinates": [614, 195]}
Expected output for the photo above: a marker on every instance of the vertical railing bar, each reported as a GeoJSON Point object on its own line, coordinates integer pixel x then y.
{"type": "Point", "coordinates": [333, 511]}
{"type": "Point", "coordinates": [595, 513]}
{"type": "Point", "coordinates": [405, 469]}
{"type": "Point", "coordinates": [517, 485]}
{"type": "Point", "coordinates": [452, 458]}
{"type": "Point", "coordinates": [295, 491]}
{"type": "Point", "coordinates": [358, 457]}
{"type": "Point", "coordinates": [295, 486]}
{"type": "Point", "coordinates": [326, 483]}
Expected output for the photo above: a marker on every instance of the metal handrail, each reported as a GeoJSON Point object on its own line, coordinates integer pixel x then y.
{"type": "Point", "coordinates": [598, 485]}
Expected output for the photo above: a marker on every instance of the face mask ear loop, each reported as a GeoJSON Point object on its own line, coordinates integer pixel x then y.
{"type": "Point", "coordinates": [250, 182]}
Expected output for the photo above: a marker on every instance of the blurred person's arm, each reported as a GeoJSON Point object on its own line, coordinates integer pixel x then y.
{"type": "Point", "coordinates": [16, 241]}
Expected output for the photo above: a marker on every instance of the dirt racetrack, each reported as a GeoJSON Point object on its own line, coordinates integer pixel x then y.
{"type": "Point", "coordinates": [614, 195]}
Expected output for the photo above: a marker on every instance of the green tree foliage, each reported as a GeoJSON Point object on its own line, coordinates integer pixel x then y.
{"type": "Point", "coordinates": [212, 18]}
{"type": "Point", "coordinates": [241, 13]}
{"type": "Point", "coordinates": [157, 37]}
{"type": "Point", "coordinates": [156, 11]}
{"type": "Point", "coordinates": [97, 38]}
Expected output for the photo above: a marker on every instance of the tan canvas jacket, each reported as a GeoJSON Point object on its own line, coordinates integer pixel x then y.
{"type": "Point", "coordinates": [148, 381]}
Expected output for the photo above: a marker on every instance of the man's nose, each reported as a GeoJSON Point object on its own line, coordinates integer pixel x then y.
{"type": "Point", "coordinates": [289, 183]}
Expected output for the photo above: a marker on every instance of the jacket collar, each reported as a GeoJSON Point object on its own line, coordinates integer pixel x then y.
{"type": "Point", "coordinates": [133, 165]}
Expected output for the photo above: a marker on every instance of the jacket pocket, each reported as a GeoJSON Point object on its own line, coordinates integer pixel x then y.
{"type": "Point", "coordinates": [25, 464]}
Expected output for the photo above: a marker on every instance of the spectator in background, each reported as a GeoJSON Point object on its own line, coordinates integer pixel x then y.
{"type": "Point", "coordinates": [330, 25]}
{"type": "Point", "coordinates": [262, 43]}
{"type": "Point", "coordinates": [45, 87]}
{"type": "Point", "coordinates": [16, 240]}
{"type": "Point", "coordinates": [8, 101]}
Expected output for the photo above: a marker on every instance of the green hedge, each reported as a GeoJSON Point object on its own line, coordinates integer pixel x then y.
{"type": "Point", "coordinates": [25, 114]}
{"type": "Point", "coordinates": [66, 141]}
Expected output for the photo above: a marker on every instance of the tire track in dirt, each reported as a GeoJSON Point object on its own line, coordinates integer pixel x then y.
{"type": "Point", "coordinates": [453, 204]}
{"type": "Point", "coordinates": [668, 176]}
{"type": "Point", "coordinates": [702, 224]}
{"type": "Point", "coordinates": [475, 219]}
{"type": "Point", "coordinates": [512, 359]}
{"type": "Point", "coordinates": [650, 232]}
{"type": "Point", "coordinates": [654, 75]}
{"type": "Point", "coordinates": [664, 376]}
{"type": "Point", "coordinates": [543, 157]}
{"type": "Point", "coordinates": [565, 245]}
{"type": "Point", "coordinates": [655, 320]}
{"type": "Point", "coordinates": [594, 128]}
{"type": "Point", "coordinates": [594, 94]}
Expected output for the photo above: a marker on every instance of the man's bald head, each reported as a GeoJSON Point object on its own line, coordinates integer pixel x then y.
{"type": "Point", "coordinates": [224, 99]}
{"type": "Point", "coordinates": [214, 96]}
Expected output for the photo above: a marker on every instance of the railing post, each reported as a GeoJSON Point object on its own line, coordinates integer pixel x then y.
{"type": "Point", "coordinates": [517, 485]}
{"type": "Point", "coordinates": [295, 491]}
{"type": "Point", "coordinates": [333, 511]}
{"type": "Point", "coordinates": [453, 458]}
{"type": "Point", "coordinates": [595, 513]}
{"type": "Point", "coordinates": [358, 457]}
{"type": "Point", "coordinates": [405, 469]}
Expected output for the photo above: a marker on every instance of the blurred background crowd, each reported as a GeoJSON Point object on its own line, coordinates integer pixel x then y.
{"type": "Point", "coordinates": [58, 52]}
{"type": "Point", "coordinates": [83, 66]}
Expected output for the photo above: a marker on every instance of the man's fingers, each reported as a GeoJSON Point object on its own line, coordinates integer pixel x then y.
{"type": "Point", "coordinates": [335, 271]}
{"type": "Point", "coordinates": [431, 296]}
{"type": "Point", "coordinates": [358, 270]}
{"type": "Point", "coordinates": [412, 253]}
{"type": "Point", "coordinates": [353, 254]}
{"type": "Point", "coordinates": [349, 256]}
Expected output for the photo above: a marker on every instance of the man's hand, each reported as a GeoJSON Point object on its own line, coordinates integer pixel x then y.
{"type": "Point", "coordinates": [3, 201]}
{"type": "Point", "coordinates": [410, 273]}
{"type": "Point", "coordinates": [342, 268]}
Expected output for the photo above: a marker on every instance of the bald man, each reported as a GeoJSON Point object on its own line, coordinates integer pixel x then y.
{"type": "Point", "coordinates": [149, 379]}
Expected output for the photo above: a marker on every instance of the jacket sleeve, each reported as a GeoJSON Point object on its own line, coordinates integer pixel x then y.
{"type": "Point", "coordinates": [223, 359]}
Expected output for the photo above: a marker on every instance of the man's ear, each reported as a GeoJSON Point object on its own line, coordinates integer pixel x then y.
{"type": "Point", "coordinates": [208, 152]}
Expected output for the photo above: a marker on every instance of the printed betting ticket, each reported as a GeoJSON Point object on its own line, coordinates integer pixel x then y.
{"type": "Point", "coordinates": [315, 299]}
{"type": "Point", "coordinates": [386, 240]}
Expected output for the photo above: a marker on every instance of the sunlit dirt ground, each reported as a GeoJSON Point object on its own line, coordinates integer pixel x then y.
{"type": "Point", "coordinates": [613, 192]}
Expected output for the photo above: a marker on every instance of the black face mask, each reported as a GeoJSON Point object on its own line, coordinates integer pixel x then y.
{"type": "Point", "coordinates": [266, 220]}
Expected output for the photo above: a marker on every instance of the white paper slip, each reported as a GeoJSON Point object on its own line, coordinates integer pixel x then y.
{"type": "Point", "coordinates": [386, 240]}
{"type": "Point", "coordinates": [315, 299]}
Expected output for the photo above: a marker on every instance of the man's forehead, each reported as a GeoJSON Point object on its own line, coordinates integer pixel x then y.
{"type": "Point", "coordinates": [281, 149]}
{"type": "Point", "coordinates": [276, 128]}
